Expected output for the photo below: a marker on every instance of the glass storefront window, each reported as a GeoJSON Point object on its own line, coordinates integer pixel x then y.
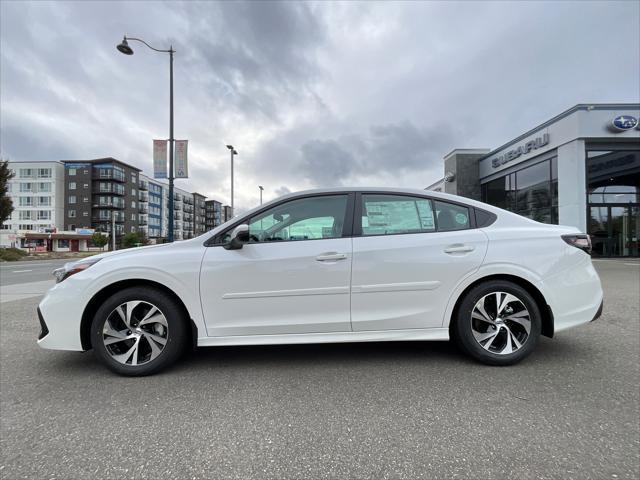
{"type": "Point", "coordinates": [613, 198]}
{"type": "Point", "coordinates": [531, 192]}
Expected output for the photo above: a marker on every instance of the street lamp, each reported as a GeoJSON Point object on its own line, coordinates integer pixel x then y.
{"type": "Point", "coordinates": [261, 189]}
{"type": "Point", "coordinates": [233, 152]}
{"type": "Point", "coordinates": [127, 50]}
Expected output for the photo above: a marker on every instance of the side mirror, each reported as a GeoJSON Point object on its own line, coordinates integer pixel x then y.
{"type": "Point", "coordinates": [239, 236]}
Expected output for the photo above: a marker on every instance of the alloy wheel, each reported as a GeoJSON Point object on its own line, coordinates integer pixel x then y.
{"type": "Point", "coordinates": [135, 333]}
{"type": "Point", "coordinates": [500, 323]}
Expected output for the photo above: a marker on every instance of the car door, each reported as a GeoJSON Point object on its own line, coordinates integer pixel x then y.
{"type": "Point", "coordinates": [408, 254]}
{"type": "Point", "coordinates": [291, 277]}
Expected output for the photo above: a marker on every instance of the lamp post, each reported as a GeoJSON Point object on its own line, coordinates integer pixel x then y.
{"type": "Point", "coordinates": [261, 189]}
{"type": "Point", "coordinates": [127, 50]}
{"type": "Point", "coordinates": [233, 153]}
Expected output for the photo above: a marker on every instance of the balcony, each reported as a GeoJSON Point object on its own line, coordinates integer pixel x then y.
{"type": "Point", "coordinates": [188, 208]}
{"type": "Point", "coordinates": [177, 206]}
{"type": "Point", "coordinates": [188, 201]}
{"type": "Point", "coordinates": [177, 216]}
{"type": "Point", "coordinates": [143, 209]}
{"type": "Point", "coordinates": [109, 174]}
{"type": "Point", "coordinates": [143, 222]}
{"type": "Point", "coordinates": [107, 218]}
{"type": "Point", "coordinates": [108, 188]}
{"type": "Point", "coordinates": [143, 197]}
{"type": "Point", "coordinates": [143, 185]}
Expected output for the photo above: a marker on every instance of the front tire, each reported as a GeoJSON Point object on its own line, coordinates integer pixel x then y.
{"type": "Point", "coordinates": [139, 331]}
{"type": "Point", "coordinates": [497, 323]}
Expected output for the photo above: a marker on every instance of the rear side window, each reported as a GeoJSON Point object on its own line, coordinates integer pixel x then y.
{"type": "Point", "coordinates": [451, 216]}
{"type": "Point", "coordinates": [394, 214]}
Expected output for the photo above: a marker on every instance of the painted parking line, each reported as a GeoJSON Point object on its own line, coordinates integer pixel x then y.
{"type": "Point", "coordinates": [636, 264]}
{"type": "Point", "coordinates": [21, 271]}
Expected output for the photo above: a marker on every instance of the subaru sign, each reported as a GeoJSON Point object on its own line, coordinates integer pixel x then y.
{"type": "Point", "coordinates": [624, 122]}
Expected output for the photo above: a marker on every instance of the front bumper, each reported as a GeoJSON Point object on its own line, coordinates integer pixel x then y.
{"type": "Point", "coordinates": [599, 312]}
{"type": "Point", "coordinates": [44, 330]}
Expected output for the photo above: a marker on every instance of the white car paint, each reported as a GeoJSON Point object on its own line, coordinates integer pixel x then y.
{"type": "Point", "coordinates": [395, 287]}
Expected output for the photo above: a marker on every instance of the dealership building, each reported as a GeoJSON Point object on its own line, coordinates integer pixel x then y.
{"type": "Point", "coordinates": [580, 168]}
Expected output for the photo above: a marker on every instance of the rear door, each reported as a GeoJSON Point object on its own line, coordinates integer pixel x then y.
{"type": "Point", "coordinates": [408, 254]}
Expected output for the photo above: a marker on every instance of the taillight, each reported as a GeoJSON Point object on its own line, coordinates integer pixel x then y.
{"type": "Point", "coordinates": [581, 241]}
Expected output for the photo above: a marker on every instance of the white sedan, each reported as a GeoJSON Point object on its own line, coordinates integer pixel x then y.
{"type": "Point", "coordinates": [325, 266]}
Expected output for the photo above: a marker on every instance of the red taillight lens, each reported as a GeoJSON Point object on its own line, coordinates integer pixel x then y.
{"type": "Point", "coordinates": [581, 241]}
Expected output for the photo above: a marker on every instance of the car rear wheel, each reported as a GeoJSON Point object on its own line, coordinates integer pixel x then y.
{"type": "Point", "coordinates": [498, 323]}
{"type": "Point", "coordinates": [139, 331]}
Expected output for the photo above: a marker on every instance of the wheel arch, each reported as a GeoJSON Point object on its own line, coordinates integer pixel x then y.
{"type": "Point", "coordinates": [545, 309]}
{"type": "Point", "coordinates": [99, 297]}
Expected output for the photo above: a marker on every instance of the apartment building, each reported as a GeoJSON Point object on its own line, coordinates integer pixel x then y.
{"type": "Point", "coordinates": [96, 194]}
{"type": "Point", "coordinates": [213, 214]}
{"type": "Point", "coordinates": [37, 193]}
{"type": "Point", "coordinates": [199, 204]}
{"type": "Point", "coordinates": [100, 193]}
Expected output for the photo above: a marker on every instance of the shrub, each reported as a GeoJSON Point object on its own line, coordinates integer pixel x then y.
{"type": "Point", "coordinates": [11, 254]}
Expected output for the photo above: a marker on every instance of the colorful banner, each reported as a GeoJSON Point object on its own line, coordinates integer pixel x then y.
{"type": "Point", "coordinates": [159, 159]}
{"type": "Point", "coordinates": [181, 164]}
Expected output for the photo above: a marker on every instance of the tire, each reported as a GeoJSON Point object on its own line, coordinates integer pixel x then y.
{"type": "Point", "coordinates": [139, 331]}
{"type": "Point", "coordinates": [502, 339]}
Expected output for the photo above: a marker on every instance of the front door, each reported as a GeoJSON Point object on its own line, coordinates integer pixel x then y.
{"type": "Point", "coordinates": [292, 277]}
{"type": "Point", "coordinates": [410, 254]}
{"type": "Point", "coordinates": [75, 245]}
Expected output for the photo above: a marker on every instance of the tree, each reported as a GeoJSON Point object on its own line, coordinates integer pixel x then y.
{"type": "Point", "coordinates": [134, 239]}
{"type": "Point", "coordinates": [99, 240]}
{"type": "Point", "coordinates": [6, 205]}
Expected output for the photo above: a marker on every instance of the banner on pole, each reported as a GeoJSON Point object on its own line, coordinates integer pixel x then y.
{"type": "Point", "coordinates": [181, 168]}
{"type": "Point", "coordinates": [159, 159]}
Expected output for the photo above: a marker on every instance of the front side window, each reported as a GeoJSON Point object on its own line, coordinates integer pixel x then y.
{"type": "Point", "coordinates": [312, 218]}
{"type": "Point", "coordinates": [451, 216]}
{"type": "Point", "coordinates": [396, 214]}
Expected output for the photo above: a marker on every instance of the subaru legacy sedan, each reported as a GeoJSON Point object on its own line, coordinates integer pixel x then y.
{"type": "Point", "coordinates": [326, 266]}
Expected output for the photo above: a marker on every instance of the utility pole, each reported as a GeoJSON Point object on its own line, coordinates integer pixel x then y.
{"type": "Point", "coordinates": [113, 230]}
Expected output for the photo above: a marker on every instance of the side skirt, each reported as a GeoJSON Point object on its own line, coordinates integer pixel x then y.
{"type": "Point", "coordinates": [441, 334]}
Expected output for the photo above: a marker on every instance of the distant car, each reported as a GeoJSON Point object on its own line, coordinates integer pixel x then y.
{"type": "Point", "coordinates": [326, 266]}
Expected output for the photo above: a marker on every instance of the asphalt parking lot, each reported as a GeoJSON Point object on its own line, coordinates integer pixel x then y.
{"type": "Point", "coordinates": [384, 410]}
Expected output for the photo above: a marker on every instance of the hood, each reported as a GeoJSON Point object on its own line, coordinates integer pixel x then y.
{"type": "Point", "coordinates": [129, 251]}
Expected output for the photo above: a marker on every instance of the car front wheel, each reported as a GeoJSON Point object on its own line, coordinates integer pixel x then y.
{"type": "Point", "coordinates": [498, 323]}
{"type": "Point", "coordinates": [139, 331]}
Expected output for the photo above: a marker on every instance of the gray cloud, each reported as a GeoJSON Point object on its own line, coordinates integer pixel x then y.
{"type": "Point", "coordinates": [310, 93]}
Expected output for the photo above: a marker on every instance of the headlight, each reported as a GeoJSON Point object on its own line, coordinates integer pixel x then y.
{"type": "Point", "coordinates": [72, 268]}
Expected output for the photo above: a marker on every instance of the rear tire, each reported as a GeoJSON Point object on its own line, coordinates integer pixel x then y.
{"type": "Point", "coordinates": [497, 323]}
{"type": "Point", "coordinates": [139, 331]}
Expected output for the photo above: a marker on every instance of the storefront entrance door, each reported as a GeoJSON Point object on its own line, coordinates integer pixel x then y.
{"type": "Point", "coordinates": [615, 230]}
{"type": "Point", "coordinates": [75, 245]}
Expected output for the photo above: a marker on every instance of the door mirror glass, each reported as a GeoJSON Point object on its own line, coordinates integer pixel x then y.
{"type": "Point", "coordinates": [239, 236]}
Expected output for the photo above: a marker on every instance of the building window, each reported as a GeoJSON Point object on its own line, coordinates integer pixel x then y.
{"type": "Point", "coordinates": [26, 187]}
{"type": "Point", "coordinates": [44, 187]}
{"type": "Point", "coordinates": [44, 173]}
{"type": "Point", "coordinates": [25, 226]}
{"type": "Point", "coordinates": [25, 201]}
{"type": "Point", "coordinates": [72, 199]}
{"type": "Point", "coordinates": [531, 191]}
{"type": "Point", "coordinates": [44, 214]}
{"type": "Point", "coordinates": [72, 172]}
{"type": "Point", "coordinates": [26, 173]}
{"type": "Point", "coordinates": [85, 214]}
{"type": "Point", "coordinates": [85, 199]}
{"type": "Point", "coordinates": [71, 226]}
{"type": "Point", "coordinates": [72, 214]}
{"type": "Point", "coordinates": [72, 185]}
{"type": "Point", "coordinates": [85, 186]}
{"type": "Point", "coordinates": [134, 192]}
{"type": "Point", "coordinates": [44, 201]}
{"type": "Point", "coordinates": [24, 215]}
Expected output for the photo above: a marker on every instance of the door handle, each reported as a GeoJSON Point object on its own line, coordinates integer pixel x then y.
{"type": "Point", "coordinates": [459, 249]}
{"type": "Point", "coordinates": [331, 257]}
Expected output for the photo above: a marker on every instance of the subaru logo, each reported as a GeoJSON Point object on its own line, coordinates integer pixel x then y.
{"type": "Point", "coordinates": [624, 122]}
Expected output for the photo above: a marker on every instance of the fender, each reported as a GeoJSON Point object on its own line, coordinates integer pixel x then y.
{"type": "Point", "coordinates": [486, 271]}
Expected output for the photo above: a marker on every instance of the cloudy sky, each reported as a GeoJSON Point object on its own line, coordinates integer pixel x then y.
{"type": "Point", "coordinates": [311, 94]}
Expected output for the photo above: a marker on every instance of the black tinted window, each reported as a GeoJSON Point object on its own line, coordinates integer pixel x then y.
{"type": "Point", "coordinates": [451, 216]}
